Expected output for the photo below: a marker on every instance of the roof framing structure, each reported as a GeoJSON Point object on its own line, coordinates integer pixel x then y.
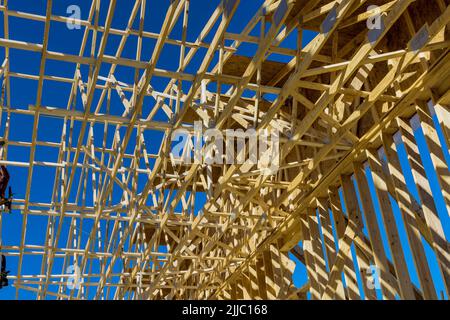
{"type": "Point", "coordinates": [138, 225]}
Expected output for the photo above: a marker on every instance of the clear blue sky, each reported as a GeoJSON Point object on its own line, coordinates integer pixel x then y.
{"type": "Point", "coordinates": [56, 95]}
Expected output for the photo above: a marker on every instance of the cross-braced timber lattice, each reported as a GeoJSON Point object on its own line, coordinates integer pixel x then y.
{"type": "Point", "coordinates": [365, 129]}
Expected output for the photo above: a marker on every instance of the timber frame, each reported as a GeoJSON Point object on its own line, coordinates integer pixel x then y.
{"type": "Point", "coordinates": [344, 103]}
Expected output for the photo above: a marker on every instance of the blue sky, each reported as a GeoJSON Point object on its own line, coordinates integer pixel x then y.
{"type": "Point", "coordinates": [23, 94]}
